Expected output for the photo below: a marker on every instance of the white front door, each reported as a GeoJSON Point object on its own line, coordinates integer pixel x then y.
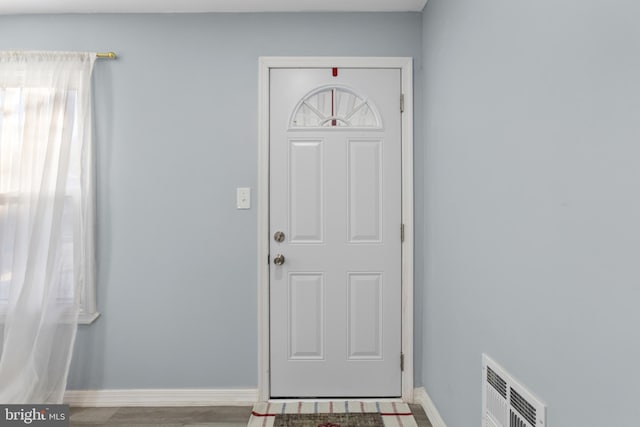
{"type": "Point", "coordinates": [335, 232]}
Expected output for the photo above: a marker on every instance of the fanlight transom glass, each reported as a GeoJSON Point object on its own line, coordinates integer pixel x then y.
{"type": "Point", "coordinates": [335, 106]}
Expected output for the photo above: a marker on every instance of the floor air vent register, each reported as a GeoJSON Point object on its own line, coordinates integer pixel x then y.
{"type": "Point", "coordinates": [507, 403]}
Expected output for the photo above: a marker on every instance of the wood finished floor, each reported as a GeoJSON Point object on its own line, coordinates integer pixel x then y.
{"type": "Point", "coordinates": [201, 416]}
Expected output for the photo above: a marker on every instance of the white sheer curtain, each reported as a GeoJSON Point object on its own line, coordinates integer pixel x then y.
{"type": "Point", "coordinates": [46, 218]}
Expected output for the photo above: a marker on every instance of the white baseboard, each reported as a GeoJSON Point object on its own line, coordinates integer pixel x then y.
{"type": "Point", "coordinates": [161, 397]}
{"type": "Point", "coordinates": [421, 397]}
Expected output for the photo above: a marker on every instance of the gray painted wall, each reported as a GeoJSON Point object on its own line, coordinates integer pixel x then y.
{"type": "Point", "coordinates": [526, 232]}
{"type": "Point", "coordinates": [532, 141]}
{"type": "Point", "coordinates": [176, 126]}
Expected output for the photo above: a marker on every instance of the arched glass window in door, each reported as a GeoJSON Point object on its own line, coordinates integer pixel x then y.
{"type": "Point", "coordinates": [335, 107]}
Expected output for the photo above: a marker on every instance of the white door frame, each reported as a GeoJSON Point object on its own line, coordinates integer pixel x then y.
{"type": "Point", "coordinates": [406, 67]}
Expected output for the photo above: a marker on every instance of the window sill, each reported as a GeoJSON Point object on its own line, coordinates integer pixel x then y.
{"type": "Point", "coordinates": [83, 318]}
{"type": "Point", "coordinates": [87, 318]}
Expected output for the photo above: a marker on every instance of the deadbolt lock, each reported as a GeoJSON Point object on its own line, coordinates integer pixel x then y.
{"type": "Point", "coordinates": [278, 236]}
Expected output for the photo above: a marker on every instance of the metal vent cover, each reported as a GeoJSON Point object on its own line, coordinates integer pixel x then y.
{"type": "Point", "coordinates": [521, 405]}
{"type": "Point", "coordinates": [515, 421]}
{"type": "Point", "coordinates": [497, 382]}
{"type": "Point", "coordinates": [506, 402]}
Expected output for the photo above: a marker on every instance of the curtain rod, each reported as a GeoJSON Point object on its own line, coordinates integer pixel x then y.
{"type": "Point", "coordinates": [106, 55]}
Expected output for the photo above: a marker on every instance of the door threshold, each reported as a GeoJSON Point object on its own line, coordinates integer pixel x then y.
{"type": "Point", "coordinates": [335, 399]}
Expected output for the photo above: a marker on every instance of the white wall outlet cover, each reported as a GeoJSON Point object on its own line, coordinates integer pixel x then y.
{"type": "Point", "coordinates": [243, 198]}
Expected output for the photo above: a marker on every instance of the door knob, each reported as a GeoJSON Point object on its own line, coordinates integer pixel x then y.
{"type": "Point", "coordinates": [278, 259]}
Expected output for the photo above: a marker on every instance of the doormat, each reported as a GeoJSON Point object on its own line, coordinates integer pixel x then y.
{"type": "Point", "coordinates": [332, 414]}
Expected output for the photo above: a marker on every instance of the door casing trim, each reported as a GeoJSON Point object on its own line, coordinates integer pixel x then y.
{"type": "Point", "coordinates": [405, 64]}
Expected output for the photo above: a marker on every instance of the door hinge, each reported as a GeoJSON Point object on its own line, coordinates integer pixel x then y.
{"type": "Point", "coordinates": [402, 102]}
{"type": "Point", "coordinates": [402, 362]}
{"type": "Point", "coordinates": [402, 232]}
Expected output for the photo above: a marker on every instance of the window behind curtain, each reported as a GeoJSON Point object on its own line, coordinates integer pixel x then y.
{"type": "Point", "coordinates": [13, 104]}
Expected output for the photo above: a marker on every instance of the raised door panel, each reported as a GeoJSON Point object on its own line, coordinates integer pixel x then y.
{"type": "Point", "coordinates": [365, 190]}
{"type": "Point", "coordinates": [306, 316]}
{"type": "Point", "coordinates": [306, 191]}
{"type": "Point", "coordinates": [365, 316]}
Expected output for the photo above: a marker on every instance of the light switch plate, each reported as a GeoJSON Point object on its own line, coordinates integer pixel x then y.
{"type": "Point", "coordinates": [243, 198]}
